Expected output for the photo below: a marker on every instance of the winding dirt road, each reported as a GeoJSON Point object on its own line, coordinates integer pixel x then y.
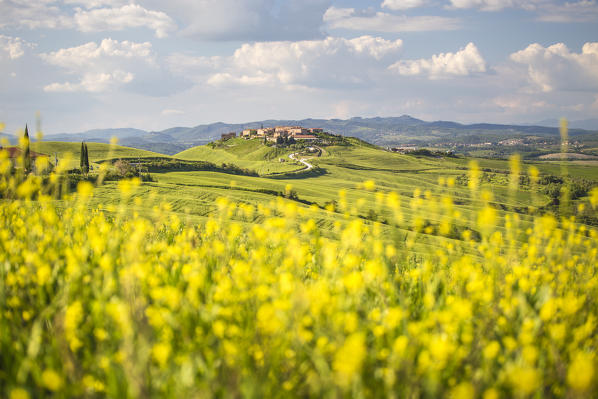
{"type": "Point", "coordinates": [308, 166]}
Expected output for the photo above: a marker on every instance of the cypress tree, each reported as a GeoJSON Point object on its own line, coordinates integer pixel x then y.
{"type": "Point", "coordinates": [26, 151]}
{"type": "Point", "coordinates": [82, 156]}
{"type": "Point", "coordinates": [84, 161]}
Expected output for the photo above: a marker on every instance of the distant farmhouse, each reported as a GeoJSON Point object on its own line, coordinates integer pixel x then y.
{"type": "Point", "coordinates": [228, 136]}
{"type": "Point", "coordinates": [14, 153]}
{"type": "Point", "coordinates": [404, 149]}
{"type": "Point", "coordinates": [284, 132]}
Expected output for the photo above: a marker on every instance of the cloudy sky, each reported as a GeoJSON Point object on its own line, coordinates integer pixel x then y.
{"type": "Point", "coordinates": [154, 64]}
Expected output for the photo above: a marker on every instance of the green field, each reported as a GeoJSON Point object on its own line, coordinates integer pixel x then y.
{"type": "Point", "coordinates": [247, 154]}
{"type": "Point", "coordinates": [341, 169]}
{"type": "Point", "coordinates": [373, 274]}
{"type": "Point", "coordinates": [97, 151]}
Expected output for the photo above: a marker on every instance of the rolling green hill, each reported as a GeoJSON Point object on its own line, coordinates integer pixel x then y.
{"type": "Point", "coordinates": [247, 154]}
{"type": "Point", "coordinates": [97, 151]}
{"type": "Point", "coordinates": [337, 194]}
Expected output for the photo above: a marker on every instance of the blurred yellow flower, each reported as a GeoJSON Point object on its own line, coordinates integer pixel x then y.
{"type": "Point", "coordinates": [581, 372]}
{"type": "Point", "coordinates": [52, 380]}
{"type": "Point", "coordinates": [161, 353]}
{"type": "Point", "coordinates": [349, 358]}
{"type": "Point", "coordinates": [18, 393]}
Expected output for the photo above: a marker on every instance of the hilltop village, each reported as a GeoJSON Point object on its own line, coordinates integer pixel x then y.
{"type": "Point", "coordinates": [277, 134]}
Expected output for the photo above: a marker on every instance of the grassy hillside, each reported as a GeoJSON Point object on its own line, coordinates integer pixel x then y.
{"type": "Point", "coordinates": [248, 154]}
{"type": "Point", "coordinates": [193, 194]}
{"type": "Point", "coordinates": [383, 275]}
{"type": "Point", "coordinates": [338, 187]}
{"type": "Point", "coordinates": [257, 301]}
{"type": "Point", "coordinates": [97, 151]}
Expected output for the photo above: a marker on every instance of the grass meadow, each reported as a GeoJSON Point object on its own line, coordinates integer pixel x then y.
{"type": "Point", "coordinates": [383, 275]}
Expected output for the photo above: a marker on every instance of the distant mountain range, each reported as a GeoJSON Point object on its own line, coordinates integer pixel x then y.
{"type": "Point", "coordinates": [587, 124]}
{"type": "Point", "coordinates": [388, 131]}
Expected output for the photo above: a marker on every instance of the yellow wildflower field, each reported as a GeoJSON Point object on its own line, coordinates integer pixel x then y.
{"type": "Point", "coordinates": [96, 303]}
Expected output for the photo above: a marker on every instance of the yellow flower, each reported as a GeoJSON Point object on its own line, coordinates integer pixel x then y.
{"type": "Point", "coordinates": [349, 359]}
{"type": "Point", "coordinates": [400, 345]}
{"type": "Point", "coordinates": [268, 319]}
{"type": "Point", "coordinates": [463, 391]}
{"type": "Point", "coordinates": [491, 394]}
{"type": "Point", "coordinates": [43, 274]}
{"type": "Point", "coordinates": [100, 334]}
{"type": "Point", "coordinates": [474, 175]}
{"type": "Point", "coordinates": [530, 354]}
{"type": "Point", "coordinates": [581, 372]}
{"type": "Point", "coordinates": [534, 174]}
{"type": "Point", "coordinates": [128, 186]}
{"type": "Point", "coordinates": [594, 197]}
{"type": "Point", "coordinates": [525, 380]}
{"type": "Point", "coordinates": [18, 393]}
{"type": "Point", "coordinates": [491, 350]}
{"type": "Point", "coordinates": [288, 188]}
{"type": "Point", "coordinates": [219, 327]}
{"type": "Point", "coordinates": [515, 166]}
{"type": "Point", "coordinates": [548, 309]}
{"type": "Point", "coordinates": [369, 185]}
{"type": "Point", "coordinates": [161, 353]}
{"type": "Point", "coordinates": [85, 189]}
{"type": "Point", "coordinates": [52, 380]}
{"type": "Point", "coordinates": [72, 318]}
{"type": "Point", "coordinates": [487, 217]}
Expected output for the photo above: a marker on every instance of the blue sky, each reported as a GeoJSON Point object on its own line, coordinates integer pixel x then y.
{"type": "Point", "coordinates": [152, 64]}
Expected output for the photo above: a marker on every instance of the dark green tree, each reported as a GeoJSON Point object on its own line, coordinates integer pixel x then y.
{"type": "Point", "coordinates": [26, 151]}
{"type": "Point", "coordinates": [84, 161]}
{"type": "Point", "coordinates": [82, 156]}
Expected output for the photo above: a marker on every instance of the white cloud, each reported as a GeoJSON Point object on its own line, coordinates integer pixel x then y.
{"type": "Point", "coordinates": [194, 68]}
{"type": "Point", "coordinates": [520, 103]}
{"type": "Point", "coordinates": [338, 13]}
{"type": "Point", "coordinates": [580, 11]}
{"type": "Point", "coordinates": [557, 68]}
{"type": "Point", "coordinates": [348, 18]}
{"type": "Point", "coordinates": [51, 14]}
{"type": "Point", "coordinates": [465, 62]}
{"type": "Point", "coordinates": [93, 82]}
{"type": "Point", "coordinates": [495, 5]}
{"type": "Point", "coordinates": [128, 16]}
{"type": "Point", "coordinates": [247, 20]}
{"type": "Point", "coordinates": [168, 112]}
{"type": "Point", "coordinates": [100, 67]}
{"type": "Point", "coordinates": [33, 14]}
{"type": "Point", "coordinates": [97, 3]}
{"type": "Point", "coordinates": [311, 63]}
{"type": "Point", "coordinates": [90, 54]}
{"type": "Point", "coordinates": [546, 10]}
{"type": "Point", "coordinates": [402, 4]}
{"type": "Point", "coordinates": [14, 47]}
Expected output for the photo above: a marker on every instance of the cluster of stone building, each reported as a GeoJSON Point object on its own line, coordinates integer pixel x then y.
{"type": "Point", "coordinates": [273, 133]}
